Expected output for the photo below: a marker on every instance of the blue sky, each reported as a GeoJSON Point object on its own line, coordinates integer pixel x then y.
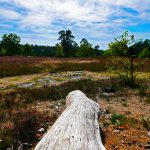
{"type": "Point", "coordinates": [99, 21]}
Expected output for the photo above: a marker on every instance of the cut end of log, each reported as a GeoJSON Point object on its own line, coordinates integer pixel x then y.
{"type": "Point", "coordinates": [77, 128]}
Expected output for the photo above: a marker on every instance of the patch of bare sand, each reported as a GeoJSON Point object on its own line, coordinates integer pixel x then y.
{"type": "Point", "coordinates": [135, 107]}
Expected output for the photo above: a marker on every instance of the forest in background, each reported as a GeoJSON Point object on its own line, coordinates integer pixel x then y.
{"type": "Point", "coordinates": [68, 47]}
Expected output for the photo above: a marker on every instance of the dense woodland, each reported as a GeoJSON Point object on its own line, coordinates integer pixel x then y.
{"type": "Point", "coordinates": [68, 47]}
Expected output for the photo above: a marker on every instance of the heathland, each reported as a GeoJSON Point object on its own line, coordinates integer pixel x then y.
{"type": "Point", "coordinates": [33, 91]}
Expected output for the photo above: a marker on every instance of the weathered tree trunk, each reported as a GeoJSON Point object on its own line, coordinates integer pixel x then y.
{"type": "Point", "coordinates": [77, 128]}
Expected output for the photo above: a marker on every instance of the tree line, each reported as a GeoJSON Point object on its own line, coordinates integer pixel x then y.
{"type": "Point", "coordinates": [68, 47]}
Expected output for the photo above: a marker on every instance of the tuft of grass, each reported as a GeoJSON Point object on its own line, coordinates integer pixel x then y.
{"type": "Point", "coordinates": [118, 119]}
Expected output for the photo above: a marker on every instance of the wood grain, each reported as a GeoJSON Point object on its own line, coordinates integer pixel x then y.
{"type": "Point", "coordinates": [77, 128]}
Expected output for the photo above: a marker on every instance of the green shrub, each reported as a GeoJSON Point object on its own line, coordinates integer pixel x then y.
{"type": "Point", "coordinates": [118, 119]}
{"type": "Point", "coordinates": [124, 69]}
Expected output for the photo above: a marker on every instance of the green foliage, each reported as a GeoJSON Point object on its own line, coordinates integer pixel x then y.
{"type": "Point", "coordinates": [118, 119]}
{"type": "Point", "coordinates": [145, 53]}
{"type": "Point", "coordinates": [39, 50]}
{"type": "Point", "coordinates": [120, 47]}
{"type": "Point", "coordinates": [97, 51]}
{"type": "Point", "coordinates": [2, 51]}
{"type": "Point", "coordinates": [85, 49]}
{"type": "Point", "coordinates": [107, 52]}
{"type": "Point", "coordinates": [67, 41]}
{"type": "Point", "coordinates": [11, 43]}
{"type": "Point", "coordinates": [122, 67]}
{"type": "Point", "coordinates": [59, 51]}
{"type": "Point", "coordinates": [27, 50]}
{"type": "Point", "coordinates": [140, 46]}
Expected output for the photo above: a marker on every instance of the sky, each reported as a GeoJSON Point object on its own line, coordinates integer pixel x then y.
{"type": "Point", "coordinates": [99, 21]}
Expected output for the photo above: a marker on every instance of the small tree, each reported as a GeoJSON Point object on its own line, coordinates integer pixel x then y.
{"type": "Point", "coordinates": [66, 40]}
{"type": "Point", "coordinates": [11, 43]}
{"type": "Point", "coordinates": [59, 51]}
{"type": "Point", "coordinates": [123, 63]}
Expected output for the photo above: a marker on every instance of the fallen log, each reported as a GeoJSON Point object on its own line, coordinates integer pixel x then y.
{"type": "Point", "coordinates": [77, 128]}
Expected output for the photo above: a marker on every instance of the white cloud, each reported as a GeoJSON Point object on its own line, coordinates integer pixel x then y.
{"type": "Point", "coordinates": [50, 10]}
{"type": "Point", "coordinates": [47, 11]}
{"type": "Point", "coordinates": [9, 14]}
{"type": "Point", "coordinates": [101, 19]}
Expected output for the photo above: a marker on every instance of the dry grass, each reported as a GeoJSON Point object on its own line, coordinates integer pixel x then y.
{"type": "Point", "coordinates": [12, 66]}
